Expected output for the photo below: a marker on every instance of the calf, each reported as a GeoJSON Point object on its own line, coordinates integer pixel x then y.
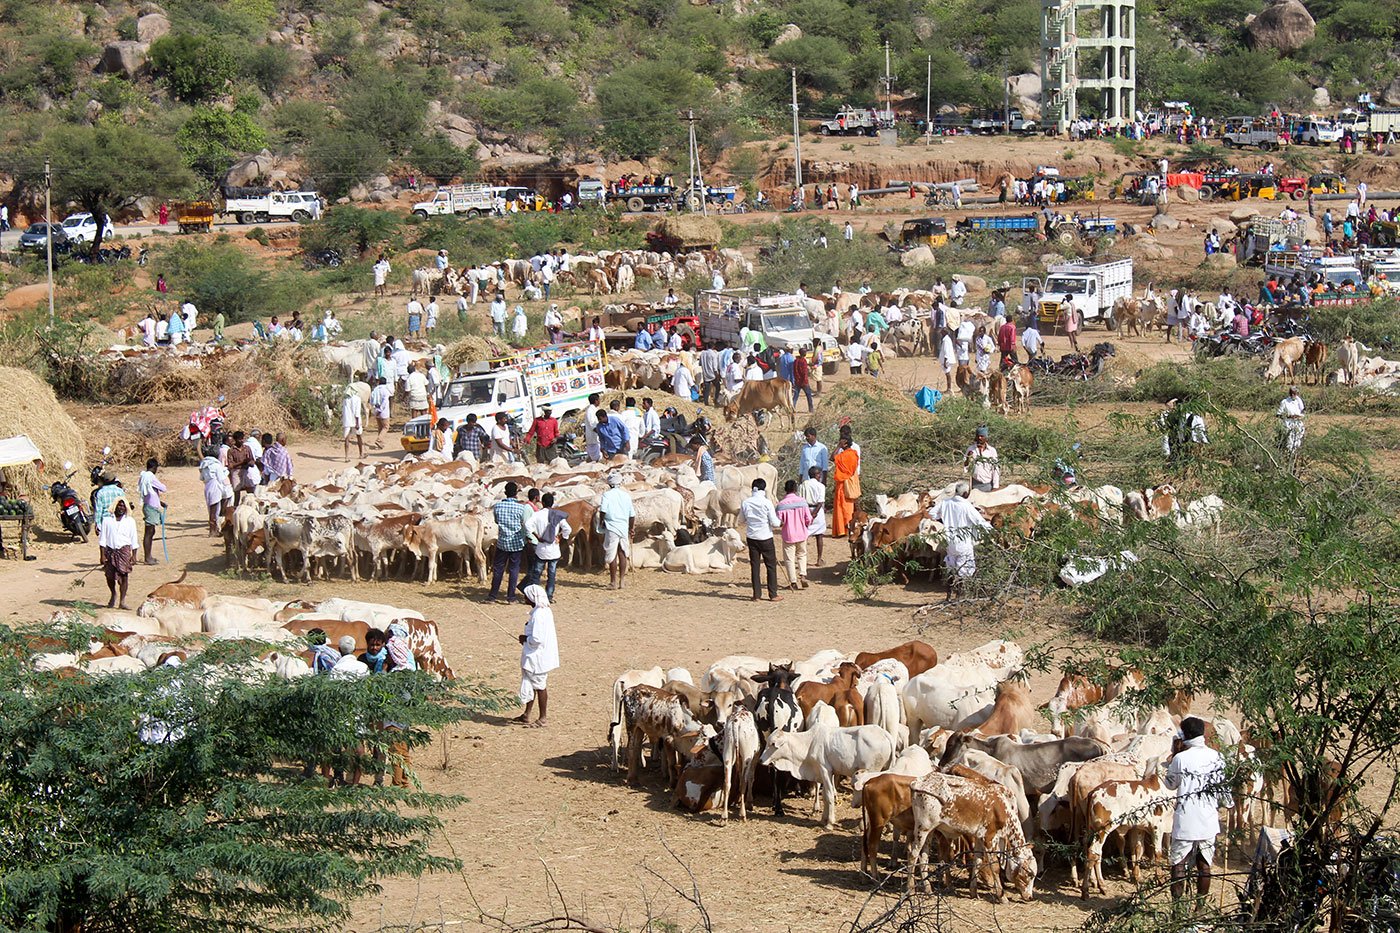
{"type": "Point", "coordinates": [461, 535]}
{"type": "Point", "coordinates": [823, 754]}
{"type": "Point", "coordinates": [653, 678]}
{"type": "Point", "coordinates": [178, 592]}
{"type": "Point", "coordinates": [766, 395]}
{"type": "Point", "coordinates": [1134, 808]}
{"type": "Point", "coordinates": [380, 538]}
{"type": "Point", "coordinates": [585, 547]}
{"type": "Point", "coordinates": [1013, 710]}
{"type": "Point", "coordinates": [1038, 764]}
{"type": "Point", "coordinates": [713, 556]}
{"type": "Point", "coordinates": [886, 800]}
{"type": "Point", "coordinates": [954, 806]}
{"type": "Point", "coordinates": [883, 708]}
{"type": "Point", "coordinates": [652, 714]}
{"type": "Point", "coordinates": [777, 710]}
{"type": "Point", "coordinates": [840, 694]}
{"type": "Point", "coordinates": [738, 755]}
{"type": "Point", "coordinates": [917, 657]}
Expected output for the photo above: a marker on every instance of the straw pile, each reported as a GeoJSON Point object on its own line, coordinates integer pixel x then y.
{"type": "Point", "coordinates": [28, 406]}
{"type": "Point", "coordinates": [689, 231]}
{"type": "Point", "coordinates": [475, 349]}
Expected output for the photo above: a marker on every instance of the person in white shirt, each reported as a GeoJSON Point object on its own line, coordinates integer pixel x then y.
{"type": "Point", "coordinates": [191, 316]}
{"type": "Point", "coordinates": [632, 420]}
{"type": "Point", "coordinates": [503, 446]}
{"type": "Point", "coordinates": [1197, 774]}
{"type": "Point", "coordinates": [855, 356]}
{"type": "Point", "coordinates": [1030, 338]}
{"type": "Point", "coordinates": [1290, 413]}
{"type": "Point", "coordinates": [349, 667]}
{"type": "Point", "coordinates": [380, 398]}
{"type": "Point", "coordinates": [983, 463]}
{"type": "Point", "coordinates": [520, 326]}
{"type": "Point", "coordinates": [670, 300]}
{"type": "Point", "coordinates": [554, 324]}
{"type": "Point", "coordinates": [848, 232]}
{"type": "Point", "coordinates": [963, 525]}
{"type": "Point", "coordinates": [539, 655]}
{"type": "Point", "coordinates": [116, 542]}
{"type": "Point", "coordinates": [381, 276]}
{"type": "Point", "coordinates": [148, 329]}
{"type": "Point", "coordinates": [814, 491]}
{"type": "Point", "coordinates": [416, 387]}
{"type": "Point", "coordinates": [431, 319]}
{"type": "Point", "coordinates": [760, 520]}
{"type": "Point", "coordinates": [331, 325]}
{"type": "Point", "coordinates": [441, 260]}
{"type": "Point", "coordinates": [754, 372]}
{"type": "Point", "coordinates": [498, 314]}
{"type": "Point", "coordinates": [965, 333]}
{"type": "Point", "coordinates": [958, 291]}
{"type": "Point", "coordinates": [590, 429]}
{"type": "Point", "coordinates": [545, 529]}
{"type": "Point", "coordinates": [352, 420]}
{"type": "Point", "coordinates": [415, 316]}
{"type": "Point", "coordinates": [947, 358]}
{"type": "Point", "coordinates": [717, 281]}
{"type": "Point", "coordinates": [733, 377]}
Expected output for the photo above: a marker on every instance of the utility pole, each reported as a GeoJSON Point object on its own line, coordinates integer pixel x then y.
{"type": "Point", "coordinates": [889, 82]}
{"type": "Point", "coordinates": [796, 147]}
{"type": "Point", "coordinates": [1006, 100]}
{"type": "Point", "coordinates": [48, 235]}
{"type": "Point", "coordinates": [696, 181]}
{"type": "Point", "coordinates": [928, 104]}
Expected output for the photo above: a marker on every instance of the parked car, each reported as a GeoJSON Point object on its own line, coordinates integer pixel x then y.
{"type": "Point", "coordinates": [36, 237]}
{"type": "Point", "coordinates": [82, 228]}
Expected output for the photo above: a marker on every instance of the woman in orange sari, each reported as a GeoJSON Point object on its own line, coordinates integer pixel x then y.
{"type": "Point", "coordinates": [845, 471]}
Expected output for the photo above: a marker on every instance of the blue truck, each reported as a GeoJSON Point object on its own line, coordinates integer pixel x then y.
{"type": "Point", "coordinates": [1013, 225]}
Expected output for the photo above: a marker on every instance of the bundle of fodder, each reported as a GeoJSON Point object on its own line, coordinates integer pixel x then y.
{"type": "Point", "coordinates": [28, 406]}
{"type": "Point", "coordinates": [159, 377]}
{"type": "Point", "coordinates": [475, 349]}
{"type": "Point", "coordinates": [682, 232]}
{"type": "Point", "coordinates": [257, 407]}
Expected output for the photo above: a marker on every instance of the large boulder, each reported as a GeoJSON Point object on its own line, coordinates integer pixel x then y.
{"type": "Point", "coordinates": [1243, 213]}
{"type": "Point", "coordinates": [246, 172]}
{"type": "Point", "coordinates": [974, 283]}
{"type": "Point", "coordinates": [1285, 25]}
{"type": "Point", "coordinates": [1188, 194]}
{"type": "Point", "coordinates": [1164, 222]}
{"type": "Point", "coordinates": [123, 59]}
{"type": "Point", "coordinates": [790, 32]}
{"type": "Point", "coordinates": [151, 27]}
{"type": "Point", "coordinates": [918, 256]}
{"type": "Point", "coordinates": [1148, 248]}
{"type": "Point", "coordinates": [1223, 227]}
{"type": "Point", "coordinates": [1026, 89]}
{"type": "Point", "coordinates": [1321, 99]}
{"type": "Point", "coordinates": [459, 130]}
{"type": "Point", "coordinates": [1010, 255]}
{"type": "Point", "coordinates": [1219, 261]}
{"type": "Point", "coordinates": [1391, 94]}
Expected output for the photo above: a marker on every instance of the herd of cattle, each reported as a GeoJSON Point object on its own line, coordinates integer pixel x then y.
{"type": "Point", "coordinates": [183, 619]}
{"type": "Point", "coordinates": [1302, 357]}
{"type": "Point", "coordinates": [951, 749]}
{"type": "Point", "coordinates": [369, 522]}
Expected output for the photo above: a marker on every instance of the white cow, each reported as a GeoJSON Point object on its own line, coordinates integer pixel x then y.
{"type": "Point", "coordinates": [960, 686]}
{"type": "Point", "coordinates": [627, 679]}
{"type": "Point", "coordinates": [649, 554]}
{"type": "Point", "coordinates": [823, 753]}
{"type": "Point", "coordinates": [914, 761]}
{"type": "Point", "coordinates": [884, 709]}
{"type": "Point", "coordinates": [713, 556]}
{"type": "Point", "coordinates": [739, 747]}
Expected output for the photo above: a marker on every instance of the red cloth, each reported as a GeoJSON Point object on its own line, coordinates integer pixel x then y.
{"type": "Point", "coordinates": [799, 372]}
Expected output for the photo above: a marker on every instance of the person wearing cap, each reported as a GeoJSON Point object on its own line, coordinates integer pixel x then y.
{"type": "Point", "coordinates": [1197, 774]}
{"type": "Point", "coordinates": [963, 525]}
{"type": "Point", "coordinates": [441, 260]}
{"type": "Point", "coordinates": [760, 519]}
{"type": "Point", "coordinates": [982, 463]}
{"type": "Point", "coordinates": [352, 421]}
{"type": "Point", "coordinates": [544, 431]}
{"type": "Point", "coordinates": [539, 655]}
{"type": "Point", "coordinates": [554, 324]}
{"type": "Point", "coordinates": [619, 519]}
{"type": "Point", "coordinates": [958, 291]}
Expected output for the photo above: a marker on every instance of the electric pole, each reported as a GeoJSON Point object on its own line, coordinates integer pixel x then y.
{"type": "Point", "coordinates": [889, 82]}
{"type": "Point", "coordinates": [796, 147]}
{"type": "Point", "coordinates": [48, 235]}
{"type": "Point", "coordinates": [696, 181]}
{"type": "Point", "coordinates": [928, 104]}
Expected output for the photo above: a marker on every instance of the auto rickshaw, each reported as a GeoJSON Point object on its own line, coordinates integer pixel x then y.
{"type": "Point", "coordinates": [925, 231]}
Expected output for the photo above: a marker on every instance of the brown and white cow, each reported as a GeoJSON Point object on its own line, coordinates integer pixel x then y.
{"type": "Point", "coordinates": [1133, 808]}
{"type": "Point", "coordinates": [652, 714]}
{"type": "Point", "coordinates": [765, 394]}
{"type": "Point", "coordinates": [954, 807]}
{"type": "Point", "coordinates": [423, 640]}
{"type": "Point", "coordinates": [916, 656]}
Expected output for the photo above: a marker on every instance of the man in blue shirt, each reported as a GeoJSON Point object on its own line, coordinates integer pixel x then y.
{"type": "Point", "coordinates": [619, 522]}
{"type": "Point", "coordinates": [510, 515]}
{"type": "Point", "coordinates": [785, 365]}
{"type": "Point", "coordinates": [643, 339]}
{"type": "Point", "coordinates": [814, 454]}
{"type": "Point", "coordinates": [612, 435]}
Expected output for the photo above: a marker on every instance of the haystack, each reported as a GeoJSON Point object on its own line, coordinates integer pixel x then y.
{"type": "Point", "coordinates": [28, 406]}
{"type": "Point", "coordinates": [474, 349]}
{"type": "Point", "coordinates": [689, 231]}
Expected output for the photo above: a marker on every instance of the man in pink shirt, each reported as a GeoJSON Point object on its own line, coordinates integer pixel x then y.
{"type": "Point", "coordinates": [794, 516]}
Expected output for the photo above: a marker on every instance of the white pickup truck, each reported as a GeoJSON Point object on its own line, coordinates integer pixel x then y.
{"type": "Point", "coordinates": [780, 319]}
{"type": "Point", "coordinates": [1239, 135]}
{"type": "Point", "coordinates": [263, 205]}
{"type": "Point", "coordinates": [856, 121]}
{"type": "Point", "coordinates": [1094, 287]}
{"type": "Point", "coordinates": [562, 377]}
{"type": "Point", "coordinates": [472, 200]}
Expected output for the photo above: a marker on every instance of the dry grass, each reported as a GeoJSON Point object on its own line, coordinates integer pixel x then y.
{"type": "Point", "coordinates": [475, 349]}
{"type": "Point", "coordinates": [28, 406]}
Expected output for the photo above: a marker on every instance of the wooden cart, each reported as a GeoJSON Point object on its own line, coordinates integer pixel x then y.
{"type": "Point", "coordinates": [195, 216]}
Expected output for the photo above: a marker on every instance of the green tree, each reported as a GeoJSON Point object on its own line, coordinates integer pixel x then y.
{"type": "Point", "coordinates": [171, 799]}
{"type": "Point", "coordinates": [342, 157]}
{"type": "Point", "coordinates": [194, 68]}
{"type": "Point", "coordinates": [385, 108]}
{"type": "Point", "coordinates": [349, 229]}
{"type": "Point", "coordinates": [212, 139]}
{"type": "Point", "coordinates": [440, 159]}
{"type": "Point", "coordinates": [822, 63]}
{"type": "Point", "coordinates": [270, 67]}
{"type": "Point", "coordinates": [640, 105]}
{"type": "Point", "coordinates": [109, 166]}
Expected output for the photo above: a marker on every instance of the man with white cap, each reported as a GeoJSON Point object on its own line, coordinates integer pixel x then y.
{"type": "Point", "coordinates": [619, 518]}
{"type": "Point", "coordinates": [539, 654]}
{"type": "Point", "coordinates": [963, 525]}
{"type": "Point", "coordinates": [958, 291]}
{"type": "Point", "coordinates": [1197, 774]}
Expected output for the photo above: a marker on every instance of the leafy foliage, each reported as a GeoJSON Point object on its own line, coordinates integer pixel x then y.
{"type": "Point", "coordinates": [194, 68]}
{"type": "Point", "coordinates": [348, 229]}
{"type": "Point", "coordinates": [212, 139]}
{"type": "Point", "coordinates": [221, 277]}
{"type": "Point", "coordinates": [172, 799]}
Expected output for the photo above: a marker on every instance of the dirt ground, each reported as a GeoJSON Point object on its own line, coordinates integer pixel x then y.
{"type": "Point", "coordinates": [544, 807]}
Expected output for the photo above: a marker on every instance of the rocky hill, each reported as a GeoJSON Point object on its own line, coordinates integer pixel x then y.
{"type": "Point", "coordinates": [356, 96]}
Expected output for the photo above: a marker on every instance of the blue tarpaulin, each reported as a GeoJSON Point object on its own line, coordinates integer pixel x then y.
{"type": "Point", "coordinates": [927, 398]}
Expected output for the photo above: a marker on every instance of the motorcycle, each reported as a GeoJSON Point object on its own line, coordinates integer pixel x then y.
{"type": "Point", "coordinates": [564, 447]}
{"type": "Point", "coordinates": [95, 476]}
{"type": "Point", "coordinates": [653, 448]}
{"type": "Point", "coordinates": [330, 258]}
{"type": "Point", "coordinates": [70, 508]}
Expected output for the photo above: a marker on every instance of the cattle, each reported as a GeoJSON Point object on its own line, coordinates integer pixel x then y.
{"type": "Point", "coordinates": [713, 556]}
{"type": "Point", "coordinates": [649, 553]}
{"type": "Point", "coordinates": [916, 656]}
{"type": "Point", "coordinates": [1136, 808]}
{"type": "Point", "coordinates": [653, 678]}
{"type": "Point", "coordinates": [585, 545]}
{"type": "Point", "coordinates": [887, 670]}
{"type": "Point", "coordinates": [380, 537]}
{"type": "Point", "coordinates": [886, 800]}
{"type": "Point", "coordinates": [312, 536]}
{"type": "Point", "coordinates": [423, 641]}
{"type": "Point", "coordinates": [763, 395]}
{"type": "Point", "coordinates": [739, 748]}
{"type": "Point", "coordinates": [699, 786]}
{"type": "Point", "coordinates": [1007, 777]}
{"type": "Point", "coordinates": [1287, 354]}
{"type": "Point", "coordinates": [461, 535]}
{"type": "Point", "coordinates": [652, 714]}
{"type": "Point", "coordinates": [176, 592]}
{"type": "Point", "coordinates": [658, 510]}
{"type": "Point", "coordinates": [1012, 711]}
{"type": "Point", "coordinates": [1076, 691]}
{"type": "Point", "coordinates": [883, 708]}
{"type": "Point", "coordinates": [953, 806]}
{"type": "Point", "coordinates": [1081, 783]}
{"type": "Point", "coordinates": [997, 392]}
{"type": "Point", "coordinates": [1202, 516]}
{"type": "Point", "coordinates": [1038, 764]}
{"type": "Point", "coordinates": [840, 694]}
{"type": "Point", "coordinates": [1151, 503]}
{"type": "Point", "coordinates": [822, 754]}
{"type": "Point", "coordinates": [224, 619]}
{"type": "Point", "coordinates": [913, 761]}
{"type": "Point", "coordinates": [376, 614]}
{"type": "Point", "coordinates": [1348, 360]}
{"type": "Point", "coordinates": [1017, 395]}
{"type": "Point", "coordinates": [777, 710]}
{"type": "Point", "coordinates": [1314, 360]}
{"type": "Point", "coordinates": [960, 686]}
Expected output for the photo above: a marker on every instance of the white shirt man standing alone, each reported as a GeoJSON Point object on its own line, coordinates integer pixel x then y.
{"type": "Point", "coordinates": [760, 519]}
{"type": "Point", "coordinates": [1197, 774]}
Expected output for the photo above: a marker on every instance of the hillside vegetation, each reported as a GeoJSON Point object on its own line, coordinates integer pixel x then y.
{"type": "Point", "coordinates": [354, 89]}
